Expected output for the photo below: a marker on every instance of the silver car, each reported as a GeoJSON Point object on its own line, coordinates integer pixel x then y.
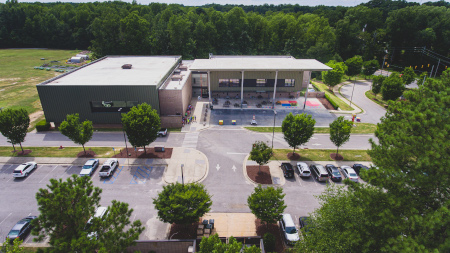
{"type": "Point", "coordinates": [303, 169]}
{"type": "Point", "coordinates": [24, 169]}
{"type": "Point", "coordinates": [89, 167]}
{"type": "Point", "coordinates": [350, 173]}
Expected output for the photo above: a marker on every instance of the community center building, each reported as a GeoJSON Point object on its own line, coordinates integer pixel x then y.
{"type": "Point", "coordinates": [105, 88]}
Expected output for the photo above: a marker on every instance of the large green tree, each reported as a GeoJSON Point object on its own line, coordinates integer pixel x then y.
{"type": "Point", "coordinates": [261, 153]}
{"type": "Point", "coordinates": [267, 204]}
{"type": "Point", "coordinates": [182, 203]}
{"type": "Point", "coordinates": [141, 124]}
{"type": "Point", "coordinates": [214, 244]}
{"type": "Point", "coordinates": [377, 83]}
{"type": "Point", "coordinates": [334, 76]}
{"type": "Point", "coordinates": [370, 67]}
{"type": "Point", "coordinates": [340, 130]}
{"type": "Point", "coordinates": [408, 75]}
{"type": "Point", "coordinates": [392, 87]}
{"type": "Point", "coordinates": [14, 125]}
{"type": "Point", "coordinates": [298, 129]}
{"type": "Point", "coordinates": [78, 132]}
{"type": "Point", "coordinates": [14, 248]}
{"type": "Point", "coordinates": [354, 65]}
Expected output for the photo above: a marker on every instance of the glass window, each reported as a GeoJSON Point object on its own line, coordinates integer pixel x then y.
{"type": "Point", "coordinates": [289, 82]}
{"type": "Point", "coordinates": [224, 82]}
{"type": "Point", "coordinates": [235, 83]}
{"type": "Point", "coordinates": [112, 106]}
{"type": "Point", "coordinates": [261, 82]}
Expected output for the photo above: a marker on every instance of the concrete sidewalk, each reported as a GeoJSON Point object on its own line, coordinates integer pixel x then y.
{"type": "Point", "coordinates": [356, 109]}
{"type": "Point", "coordinates": [199, 113]}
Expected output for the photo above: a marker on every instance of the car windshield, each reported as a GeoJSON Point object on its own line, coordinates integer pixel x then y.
{"type": "Point", "coordinates": [291, 230]}
{"type": "Point", "coordinates": [336, 174]}
{"type": "Point", "coordinates": [353, 175]}
{"type": "Point", "coordinates": [17, 171]}
{"type": "Point", "coordinates": [13, 233]}
{"type": "Point", "coordinates": [87, 166]}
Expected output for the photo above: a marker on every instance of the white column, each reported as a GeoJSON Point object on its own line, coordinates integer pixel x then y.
{"type": "Point", "coordinates": [274, 89]}
{"type": "Point", "coordinates": [307, 85]}
{"type": "Point", "coordinates": [209, 86]}
{"type": "Point", "coordinates": [242, 88]}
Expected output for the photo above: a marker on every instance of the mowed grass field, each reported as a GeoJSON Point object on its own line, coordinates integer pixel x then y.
{"type": "Point", "coordinates": [18, 78]}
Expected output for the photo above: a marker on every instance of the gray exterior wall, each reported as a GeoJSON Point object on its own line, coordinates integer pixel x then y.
{"type": "Point", "coordinates": [216, 75]}
{"type": "Point", "coordinates": [58, 101]}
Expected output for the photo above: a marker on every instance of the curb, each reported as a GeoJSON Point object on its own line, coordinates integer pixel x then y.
{"type": "Point", "coordinates": [195, 181]}
{"type": "Point", "coordinates": [244, 171]}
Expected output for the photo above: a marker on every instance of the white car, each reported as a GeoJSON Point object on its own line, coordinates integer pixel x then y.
{"type": "Point", "coordinates": [99, 214]}
{"type": "Point", "coordinates": [89, 167]}
{"type": "Point", "coordinates": [350, 173]}
{"type": "Point", "coordinates": [24, 169]}
{"type": "Point", "coordinates": [303, 169]}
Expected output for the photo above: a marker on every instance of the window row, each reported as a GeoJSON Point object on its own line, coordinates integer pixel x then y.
{"type": "Point", "coordinates": [112, 106]}
{"type": "Point", "coordinates": [256, 82]}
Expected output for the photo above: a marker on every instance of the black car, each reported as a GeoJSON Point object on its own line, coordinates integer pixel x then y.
{"type": "Point", "coordinates": [21, 229]}
{"type": "Point", "coordinates": [303, 223]}
{"type": "Point", "coordinates": [288, 171]}
{"type": "Point", "coordinates": [333, 172]}
{"type": "Point", "coordinates": [359, 167]}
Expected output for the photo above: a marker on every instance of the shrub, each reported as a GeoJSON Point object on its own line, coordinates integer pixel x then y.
{"type": "Point", "coordinates": [294, 104]}
{"type": "Point", "coordinates": [42, 125]}
{"type": "Point", "coordinates": [331, 101]}
{"type": "Point", "coordinates": [269, 242]}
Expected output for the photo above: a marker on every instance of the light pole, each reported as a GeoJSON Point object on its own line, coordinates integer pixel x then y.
{"type": "Point", "coordinates": [125, 139]}
{"type": "Point", "coordinates": [182, 175]}
{"type": "Point", "coordinates": [351, 98]}
{"type": "Point", "coordinates": [273, 132]}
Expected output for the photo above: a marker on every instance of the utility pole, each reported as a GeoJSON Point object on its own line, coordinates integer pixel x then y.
{"type": "Point", "coordinates": [437, 68]}
{"type": "Point", "coordinates": [351, 98]}
{"type": "Point", "coordinates": [182, 175]}
{"type": "Point", "coordinates": [273, 131]}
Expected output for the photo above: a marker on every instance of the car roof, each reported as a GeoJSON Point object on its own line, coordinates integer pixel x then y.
{"type": "Point", "coordinates": [90, 161]}
{"type": "Point", "coordinates": [288, 220]}
{"type": "Point", "coordinates": [350, 170]}
{"type": "Point", "coordinates": [20, 224]}
{"type": "Point", "coordinates": [302, 164]}
{"type": "Point", "coordinates": [110, 160]}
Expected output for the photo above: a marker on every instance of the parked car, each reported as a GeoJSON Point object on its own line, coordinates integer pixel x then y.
{"type": "Point", "coordinates": [21, 229]}
{"type": "Point", "coordinates": [333, 172]}
{"type": "Point", "coordinates": [359, 167]}
{"type": "Point", "coordinates": [99, 213]}
{"type": "Point", "coordinates": [350, 173]}
{"type": "Point", "coordinates": [288, 229]}
{"type": "Point", "coordinates": [288, 171]}
{"type": "Point", "coordinates": [24, 169]}
{"type": "Point", "coordinates": [303, 223]}
{"type": "Point", "coordinates": [89, 167]}
{"type": "Point", "coordinates": [303, 169]}
{"type": "Point", "coordinates": [162, 132]}
{"type": "Point", "coordinates": [319, 172]}
{"type": "Point", "coordinates": [108, 167]}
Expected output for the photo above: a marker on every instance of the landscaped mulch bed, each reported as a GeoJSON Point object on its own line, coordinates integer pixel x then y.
{"type": "Point", "coordinates": [139, 153]}
{"type": "Point", "coordinates": [260, 177]}
{"type": "Point", "coordinates": [261, 229]}
{"type": "Point", "coordinates": [336, 157]}
{"type": "Point", "coordinates": [183, 231]}
{"type": "Point", "coordinates": [20, 153]}
{"type": "Point", "coordinates": [88, 154]}
{"type": "Point", "coordinates": [293, 156]}
{"type": "Point", "coordinates": [326, 103]}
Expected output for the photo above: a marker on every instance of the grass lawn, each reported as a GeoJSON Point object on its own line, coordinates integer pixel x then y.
{"type": "Point", "coordinates": [56, 152]}
{"type": "Point", "coordinates": [361, 128]}
{"type": "Point", "coordinates": [18, 78]}
{"type": "Point", "coordinates": [322, 154]}
{"type": "Point", "coordinates": [370, 95]}
{"type": "Point", "coordinates": [322, 87]}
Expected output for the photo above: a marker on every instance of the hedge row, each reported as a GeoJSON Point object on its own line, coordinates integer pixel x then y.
{"type": "Point", "coordinates": [42, 125]}
{"type": "Point", "coordinates": [331, 101]}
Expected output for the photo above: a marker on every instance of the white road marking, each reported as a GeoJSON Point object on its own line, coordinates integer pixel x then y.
{"type": "Point", "coordinates": [316, 144]}
{"type": "Point", "coordinates": [5, 218]}
{"type": "Point", "coordinates": [218, 167]}
{"type": "Point", "coordinates": [48, 173]}
{"type": "Point", "coordinates": [234, 168]}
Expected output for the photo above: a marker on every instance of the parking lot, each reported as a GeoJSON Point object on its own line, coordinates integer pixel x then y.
{"type": "Point", "coordinates": [135, 185]}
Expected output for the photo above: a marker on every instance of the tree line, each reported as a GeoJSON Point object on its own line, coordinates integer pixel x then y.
{"type": "Point", "coordinates": [321, 32]}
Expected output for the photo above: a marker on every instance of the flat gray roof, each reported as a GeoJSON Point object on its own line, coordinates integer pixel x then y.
{"type": "Point", "coordinates": [257, 63]}
{"type": "Point", "coordinates": [145, 70]}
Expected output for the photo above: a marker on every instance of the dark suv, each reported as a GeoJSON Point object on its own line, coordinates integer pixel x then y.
{"type": "Point", "coordinates": [333, 172]}
{"type": "Point", "coordinates": [21, 229]}
{"type": "Point", "coordinates": [288, 171]}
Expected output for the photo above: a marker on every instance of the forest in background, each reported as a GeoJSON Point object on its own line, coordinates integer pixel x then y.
{"type": "Point", "coordinates": [322, 32]}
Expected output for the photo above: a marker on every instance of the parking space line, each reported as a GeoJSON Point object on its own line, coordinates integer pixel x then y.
{"type": "Point", "coordinates": [115, 176]}
{"type": "Point", "coordinates": [299, 179]}
{"type": "Point", "coordinates": [5, 218]}
{"type": "Point", "coordinates": [48, 173]}
{"type": "Point", "coordinates": [142, 178]}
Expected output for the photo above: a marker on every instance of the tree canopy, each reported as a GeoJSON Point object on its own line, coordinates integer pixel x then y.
{"type": "Point", "coordinates": [267, 204]}
{"type": "Point", "coordinates": [182, 203]}
{"type": "Point", "coordinates": [141, 124]}
{"type": "Point", "coordinates": [408, 75]}
{"type": "Point", "coordinates": [354, 65]}
{"type": "Point", "coordinates": [261, 153]}
{"type": "Point", "coordinates": [392, 87]}
{"type": "Point", "coordinates": [79, 133]}
{"type": "Point", "coordinates": [214, 244]}
{"type": "Point", "coordinates": [14, 125]}
{"type": "Point", "coordinates": [370, 67]}
{"type": "Point", "coordinates": [298, 129]}
{"type": "Point", "coordinates": [334, 76]}
{"type": "Point", "coordinates": [340, 130]}
{"type": "Point", "coordinates": [377, 82]}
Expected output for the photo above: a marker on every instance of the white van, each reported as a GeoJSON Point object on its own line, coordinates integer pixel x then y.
{"type": "Point", "coordinates": [289, 230]}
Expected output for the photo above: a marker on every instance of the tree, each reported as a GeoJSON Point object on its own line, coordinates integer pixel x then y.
{"type": "Point", "coordinates": [214, 244]}
{"type": "Point", "coordinates": [408, 75]}
{"type": "Point", "coordinates": [377, 83]}
{"type": "Point", "coordinates": [298, 129]}
{"type": "Point", "coordinates": [14, 125]}
{"type": "Point", "coordinates": [267, 204]}
{"type": "Point", "coordinates": [66, 206]}
{"type": "Point", "coordinates": [15, 248]}
{"type": "Point", "coordinates": [141, 124]}
{"type": "Point", "coordinates": [334, 76]}
{"type": "Point", "coordinates": [261, 153]}
{"type": "Point", "coordinates": [182, 203]}
{"type": "Point", "coordinates": [79, 133]}
{"type": "Point", "coordinates": [354, 65]}
{"type": "Point", "coordinates": [370, 67]}
{"type": "Point", "coordinates": [340, 132]}
{"type": "Point", "coordinates": [392, 87]}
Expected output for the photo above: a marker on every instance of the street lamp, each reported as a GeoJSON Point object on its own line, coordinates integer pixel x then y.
{"type": "Point", "coordinates": [182, 175]}
{"type": "Point", "coordinates": [125, 139]}
{"type": "Point", "coordinates": [273, 133]}
{"type": "Point", "coordinates": [351, 98]}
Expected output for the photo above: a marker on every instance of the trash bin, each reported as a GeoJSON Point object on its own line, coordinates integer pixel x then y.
{"type": "Point", "coordinates": [211, 222]}
{"type": "Point", "coordinates": [211, 106]}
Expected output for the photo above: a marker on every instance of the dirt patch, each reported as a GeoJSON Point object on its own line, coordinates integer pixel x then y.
{"type": "Point", "coordinates": [35, 115]}
{"type": "Point", "coordinates": [261, 229]}
{"type": "Point", "coordinates": [88, 154]}
{"type": "Point", "coordinates": [293, 156]}
{"type": "Point", "coordinates": [260, 177]}
{"type": "Point", "coordinates": [178, 231]}
{"type": "Point", "coordinates": [20, 153]}
{"type": "Point", "coordinates": [139, 153]}
{"type": "Point", "coordinates": [326, 103]}
{"type": "Point", "coordinates": [336, 157]}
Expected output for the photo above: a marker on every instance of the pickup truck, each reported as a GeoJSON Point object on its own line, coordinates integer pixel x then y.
{"type": "Point", "coordinates": [162, 132]}
{"type": "Point", "coordinates": [108, 167]}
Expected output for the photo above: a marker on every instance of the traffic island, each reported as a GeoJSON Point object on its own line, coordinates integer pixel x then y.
{"type": "Point", "coordinates": [259, 174]}
{"type": "Point", "coordinates": [271, 174]}
{"type": "Point", "coordinates": [186, 165]}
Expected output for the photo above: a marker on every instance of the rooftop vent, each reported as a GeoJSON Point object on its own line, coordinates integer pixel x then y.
{"type": "Point", "coordinates": [126, 66]}
{"type": "Point", "coordinates": [176, 77]}
{"type": "Point", "coordinates": [182, 67]}
{"type": "Point", "coordinates": [177, 71]}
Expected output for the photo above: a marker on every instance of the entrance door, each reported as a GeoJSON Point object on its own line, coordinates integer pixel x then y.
{"type": "Point", "coordinates": [205, 93]}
